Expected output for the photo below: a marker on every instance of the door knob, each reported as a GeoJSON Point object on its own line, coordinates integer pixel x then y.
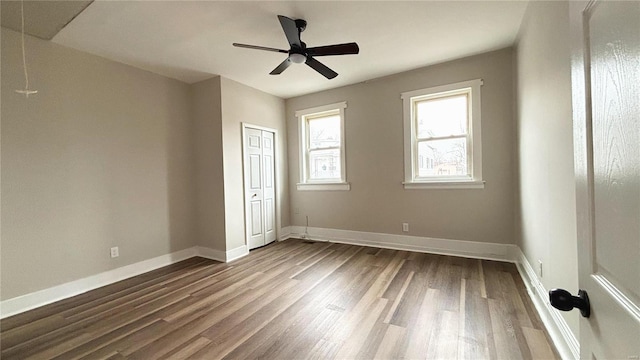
{"type": "Point", "coordinates": [561, 299]}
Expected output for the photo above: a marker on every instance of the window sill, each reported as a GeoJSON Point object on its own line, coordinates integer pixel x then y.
{"type": "Point", "coordinates": [324, 187]}
{"type": "Point", "coordinates": [471, 184]}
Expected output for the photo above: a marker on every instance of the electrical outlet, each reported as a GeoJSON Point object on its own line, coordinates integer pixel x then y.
{"type": "Point", "coordinates": [540, 268]}
{"type": "Point", "coordinates": [115, 252]}
{"type": "Point", "coordinates": [405, 227]}
{"type": "Point", "coordinates": [296, 210]}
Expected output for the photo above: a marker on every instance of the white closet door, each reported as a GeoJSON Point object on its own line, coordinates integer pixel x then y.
{"type": "Point", "coordinates": [259, 178]}
{"type": "Point", "coordinates": [254, 199]}
{"type": "Point", "coordinates": [268, 190]}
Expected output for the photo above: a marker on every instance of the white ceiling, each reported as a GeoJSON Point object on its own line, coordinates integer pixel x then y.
{"type": "Point", "coordinates": [191, 40]}
{"type": "Point", "coordinates": [43, 19]}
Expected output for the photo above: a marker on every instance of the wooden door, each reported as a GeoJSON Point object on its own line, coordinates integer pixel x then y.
{"type": "Point", "coordinates": [606, 103]}
{"type": "Point", "coordinates": [259, 179]}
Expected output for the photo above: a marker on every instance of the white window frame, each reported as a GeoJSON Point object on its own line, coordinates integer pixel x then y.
{"type": "Point", "coordinates": [474, 138]}
{"type": "Point", "coordinates": [303, 136]}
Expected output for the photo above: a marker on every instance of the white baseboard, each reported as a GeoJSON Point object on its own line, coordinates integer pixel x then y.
{"type": "Point", "coordinates": [471, 249]}
{"type": "Point", "coordinates": [285, 233]}
{"type": "Point", "coordinates": [236, 253]}
{"type": "Point", "coordinates": [558, 329]}
{"type": "Point", "coordinates": [222, 256]}
{"type": "Point", "coordinates": [209, 253]}
{"type": "Point", "coordinates": [50, 295]}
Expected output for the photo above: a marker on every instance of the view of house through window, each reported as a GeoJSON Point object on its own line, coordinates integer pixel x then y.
{"type": "Point", "coordinates": [324, 147]}
{"type": "Point", "coordinates": [442, 126]}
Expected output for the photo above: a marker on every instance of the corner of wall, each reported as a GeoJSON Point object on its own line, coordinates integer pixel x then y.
{"type": "Point", "coordinates": [517, 223]}
{"type": "Point", "coordinates": [206, 110]}
{"type": "Point", "coordinates": [545, 228]}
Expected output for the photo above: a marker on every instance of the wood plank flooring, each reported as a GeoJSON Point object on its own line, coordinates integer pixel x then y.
{"type": "Point", "coordinates": [294, 300]}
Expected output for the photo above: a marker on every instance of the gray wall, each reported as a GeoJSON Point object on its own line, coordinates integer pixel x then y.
{"type": "Point", "coordinates": [377, 201]}
{"type": "Point", "coordinates": [546, 193]}
{"type": "Point", "coordinates": [220, 106]}
{"type": "Point", "coordinates": [108, 155]}
{"type": "Point", "coordinates": [241, 103]}
{"type": "Point", "coordinates": [206, 107]}
{"type": "Point", "coordinates": [100, 157]}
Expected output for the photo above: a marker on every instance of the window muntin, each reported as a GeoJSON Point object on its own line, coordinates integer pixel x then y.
{"type": "Point", "coordinates": [322, 148]}
{"type": "Point", "coordinates": [442, 135]}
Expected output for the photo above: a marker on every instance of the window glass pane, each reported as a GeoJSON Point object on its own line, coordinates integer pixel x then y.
{"type": "Point", "coordinates": [442, 158]}
{"type": "Point", "coordinates": [324, 164]}
{"type": "Point", "coordinates": [324, 132]}
{"type": "Point", "coordinates": [442, 117]}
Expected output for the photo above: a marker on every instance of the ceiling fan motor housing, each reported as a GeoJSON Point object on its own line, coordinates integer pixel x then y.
{"type": "Point", "coordinates": [297, 58]}
{"type": "Point", "coordinates": [301, 24]}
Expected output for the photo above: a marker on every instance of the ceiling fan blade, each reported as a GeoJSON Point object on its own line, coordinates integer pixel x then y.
{"type": "Point", "coordinates": [321, 68]}
{"type": "Point", "coordinates": [290, 30]}
{"type": "Point", "coordinates": [255, 47]}
{"type": "Point", "coordinates": [338, 49]}
{"type": "Point", "coordinates": [282, 67]}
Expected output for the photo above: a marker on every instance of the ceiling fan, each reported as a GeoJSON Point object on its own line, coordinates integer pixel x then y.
{"type": "Point", "coordinates": [299, 52]}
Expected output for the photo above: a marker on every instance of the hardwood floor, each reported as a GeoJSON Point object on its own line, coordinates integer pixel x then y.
{"type": "Point", "coordinates": [294, 300]}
